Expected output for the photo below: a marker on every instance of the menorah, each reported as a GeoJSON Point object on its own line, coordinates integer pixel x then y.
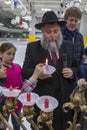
{"type": "Point", "coordinates": [77, 104]}
{"type": "Point", "coordinates": [46, 104]}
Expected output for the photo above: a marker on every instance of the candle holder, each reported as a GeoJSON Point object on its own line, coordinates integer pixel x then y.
{"type": "Point", "coordinates": [28, 107]}
{"type": "Point", "coordinates": [46, 104]}
{"type": "Point", "coordinates": [11, 104]}
{"type": "Point", "coordinates": [48, 69]}
{"type": "Point", "coordinates": [2, 117]}
{"type": "Point", "coordinates": [78, 104]}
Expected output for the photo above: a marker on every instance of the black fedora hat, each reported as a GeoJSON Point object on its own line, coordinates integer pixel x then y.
{"type": "Point", "coordinates": [49, 17]}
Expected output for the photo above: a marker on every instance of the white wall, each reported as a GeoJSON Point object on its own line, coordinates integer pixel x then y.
{"type": "Point", "coordinates": [83, 24]}
{"type": "Point", "coordinates": [21, 48]}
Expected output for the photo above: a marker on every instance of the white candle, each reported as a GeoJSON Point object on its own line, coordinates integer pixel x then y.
{"type": "Point", "coordinates": [46, 65]}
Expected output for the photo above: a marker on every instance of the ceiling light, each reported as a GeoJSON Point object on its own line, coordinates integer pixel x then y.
{"type": "Point", "coordinates": [27, 17]}
{"type": "Point", "coordinates": [7, 2]}
{"type": "Point", "coordinates": [45, 9]}
{"type": "Point", "coordinates": [77, 3]}
{"type": "Point", "coordinates": [1, 24]}
{"type": "Point", "coordinates": [80, 1]}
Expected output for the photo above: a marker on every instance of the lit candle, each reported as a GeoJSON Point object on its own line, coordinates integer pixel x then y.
{"type": "Point", "coordinates": [28, 97]}
{"type": "Point", "coordinates": [46, 103]}
{"type": "Point", "coordinates": [10, 88]}
{"type": "Point", "coordinates": [46, 65]}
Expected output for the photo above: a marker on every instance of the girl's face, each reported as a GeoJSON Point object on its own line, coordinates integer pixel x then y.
{"type": "Point", "coordinates": [8, 56]}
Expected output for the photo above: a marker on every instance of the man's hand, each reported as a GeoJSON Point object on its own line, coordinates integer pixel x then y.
{"type": "Point", "coordinates": [67, 73]}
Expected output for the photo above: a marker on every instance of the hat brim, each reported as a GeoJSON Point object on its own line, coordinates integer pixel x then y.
{"type": "Point", "coordinates": [40, 25]}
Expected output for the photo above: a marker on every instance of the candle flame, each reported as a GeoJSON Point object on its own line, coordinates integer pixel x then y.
{"type": "Point", "coordinates": [46, 61]}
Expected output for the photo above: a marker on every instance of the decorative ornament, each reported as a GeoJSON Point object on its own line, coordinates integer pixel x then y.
{"type": "Point", "coordinates": [13, 21]}
{"type": "Point", "coordinates": [25, 25]}
{"type": "Point", "coordinates": [27, 17]}
{"type": "Point", "coordinates": [20, 22]}
{"type": "Point", "coordinates": [77, 104]}
{"type": "Point", "coordinates": [17, 19]}
{"type": "Point", "coordinates": [19, 6]}
{"type": "Point", "coordinates": [23, 12]}
{"type": "Point", "coordinates": [29, 29]}
{"type": "Point", "coordinates": [15, 3]}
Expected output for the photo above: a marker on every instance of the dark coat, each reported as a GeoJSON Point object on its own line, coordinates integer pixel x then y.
{"type": "Point", "coordinates": [77, 41]}
{"type": "Point", "coordinates": [2, 80]}
{"type": "Point", "coordinates": [56, 86]}
{"type": "Point", "coordinates": [83, 71]}
{"type": "Point", "coordinates": [2, 99]}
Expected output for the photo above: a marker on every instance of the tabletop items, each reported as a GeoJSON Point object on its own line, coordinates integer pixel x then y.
{"type": "Point", "coordinates": [45, 103]}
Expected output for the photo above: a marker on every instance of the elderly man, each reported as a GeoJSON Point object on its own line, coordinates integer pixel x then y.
{"type": "Point", "coordinates": [60, 54]}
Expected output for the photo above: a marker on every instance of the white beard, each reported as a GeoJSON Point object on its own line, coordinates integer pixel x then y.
{"type": "Point", "coordinates": [52, 44]}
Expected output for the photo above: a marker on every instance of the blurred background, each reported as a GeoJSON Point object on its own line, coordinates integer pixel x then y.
{"type": "Point", "coordinates": [18, 17]}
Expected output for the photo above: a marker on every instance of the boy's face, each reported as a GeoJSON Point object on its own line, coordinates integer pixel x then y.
{"type": "Point", "coordinates": [72, 23]}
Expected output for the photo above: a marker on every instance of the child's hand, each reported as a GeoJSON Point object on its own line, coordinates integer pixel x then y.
{"type": "Point", "coordinates": [2, 72]}
{"type": "Point", "coordinates": [39, 72]}
{"type": "Point", "coordinates": [82, 84]}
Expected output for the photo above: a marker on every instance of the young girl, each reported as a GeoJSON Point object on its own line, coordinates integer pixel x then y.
{"type": "Point", "coordinates": [2, 79]}
{"type": "Point", "coordinates": [13, 75]}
